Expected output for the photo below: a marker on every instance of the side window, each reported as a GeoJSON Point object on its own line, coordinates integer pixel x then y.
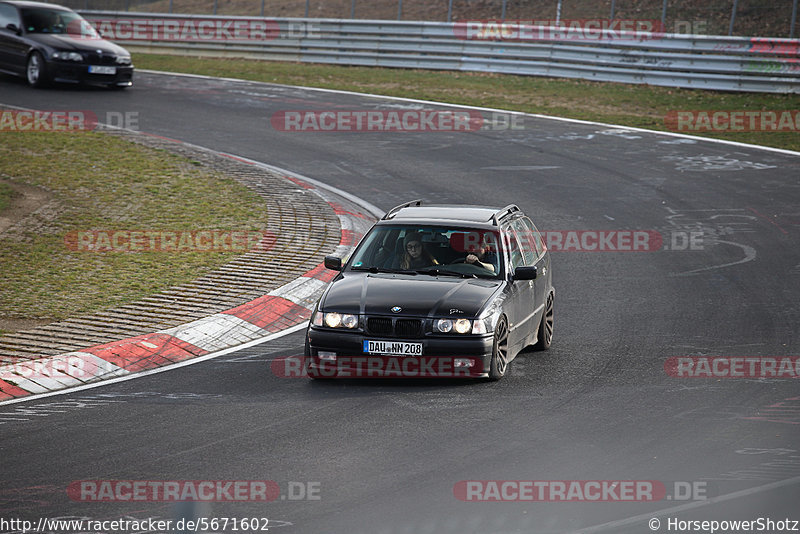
{"type": "Point", "coordinates": [526, 241]}
{"type": "Point", "coordinates": [8, 15]}
{"type": "Point", "coordinates": [536, 238]}
{"type": "Point", "coordinates": [513, 247]}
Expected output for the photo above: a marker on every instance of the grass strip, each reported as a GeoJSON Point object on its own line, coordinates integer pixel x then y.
{"type": "Point", "coordinates": [99, 182]}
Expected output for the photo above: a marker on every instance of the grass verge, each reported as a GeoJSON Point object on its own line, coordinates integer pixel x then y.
{"type": "Point", "coordinates": [641, 106]}
{"type": "Point", "coordinates": [6, 194]}
{"type": "Point", "coordinates": [97, 181]}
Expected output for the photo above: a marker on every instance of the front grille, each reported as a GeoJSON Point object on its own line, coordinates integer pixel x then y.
{"type": "Point", "coordinates": [387, 326]}
{"type": "Point", "coordinates": [408, 328]}
{"type": "Point", "coordinates": [379, 325]}
{"type": "Point", "coordinates": [101, 59]}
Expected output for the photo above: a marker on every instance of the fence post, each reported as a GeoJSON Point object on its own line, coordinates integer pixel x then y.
{"type": "Point", "coordinates": [449, 10]}
{"type": "Point", "coordinates": [353, 9]}
{"type": "Point", "coordinates": [262, 7]}
{"type": "Point", "coordinates": [399, 9]}
{"type": "Point", "coordinates": [613, 4]}
{"type": "Point", "coordinates": [215, 7]}
{"type": "Point", "coordinates": [170, 6]}
{"type": "Point", "coordinates": [306, 8]}
{"type": "Point", "coordinates": [664, 16]}
{"type": "Point", "coordinates": [733, 16]}
{"type": "Point", "coordinates": [794, 19]}
{"type": "Point", "coordinates": [558, 12]}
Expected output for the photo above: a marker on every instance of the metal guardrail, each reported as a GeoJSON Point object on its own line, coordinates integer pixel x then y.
{"type": "Point", "coordinates": [672, 60]}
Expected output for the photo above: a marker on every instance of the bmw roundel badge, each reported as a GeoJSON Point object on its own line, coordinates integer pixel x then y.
{"type": "Point", "coordinates": [397, 309]}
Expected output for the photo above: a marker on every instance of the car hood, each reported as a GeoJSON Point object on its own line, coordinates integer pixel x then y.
{"type": "Point", "coordinates": [62, 41]}
{"type": "Point", "coordinates": [420, 295]}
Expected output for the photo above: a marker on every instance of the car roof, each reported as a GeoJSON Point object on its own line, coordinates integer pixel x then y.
{"type": "Point", "coordinates": [449, 213]}
{"type": "Point", "coordinates": [22, 3]}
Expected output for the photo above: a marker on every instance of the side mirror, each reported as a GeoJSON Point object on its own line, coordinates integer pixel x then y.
{"type": "Point", "coordinates": [334, 263]}
{"type": "Point", "coordinates": [526, 273]}
{"type": "Point", "coordinates": [14, 28]}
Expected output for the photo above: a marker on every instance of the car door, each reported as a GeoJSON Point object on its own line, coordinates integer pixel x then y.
{"type": "Point", "coordinates": [533, 241]}
{"type": "Point", "coordinates": [520, 293]}
{"type": "Point", "coordinates": [12, 45]}
{"type": "Point", "coordinates": [531, 304]}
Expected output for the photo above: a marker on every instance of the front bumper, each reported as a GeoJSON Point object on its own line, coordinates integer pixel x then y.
{"type": "Point", "coordinates": [65, 72]}
{"type": "Point", "coordinates": [443, 356]}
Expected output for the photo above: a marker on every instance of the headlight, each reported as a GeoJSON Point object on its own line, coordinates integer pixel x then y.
{"type": "Point", "coordinates": [123, 60]}
{"type": "Point", "coordinates": [460, 326]}
{"type": "Point", "coordinates": [444, 325]}
{"type": "Point", "coordinates": [67, 56]}
{"type": "Point", "coordinates": [463, 326]}
{"type": "Point", "coordinates": [336, 320]}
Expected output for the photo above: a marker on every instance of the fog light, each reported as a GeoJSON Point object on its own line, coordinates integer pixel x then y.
{"type": "Point", "coordinates": [327, 356]}
{"type": "Point", "coordinates": [463, 362]}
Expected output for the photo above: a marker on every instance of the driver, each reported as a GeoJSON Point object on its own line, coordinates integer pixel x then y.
{"type": "Point", "coordinates": [414, 256]}
{"type": "Point", "coordinates": [481, 257]}
{"type": "Point", "coordinates": [55, 24]}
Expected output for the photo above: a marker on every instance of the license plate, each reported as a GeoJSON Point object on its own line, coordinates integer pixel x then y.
{"type": "Point", "coordinates": [397, 348]}
{"type": "Point", "coordinates": [98, 69]}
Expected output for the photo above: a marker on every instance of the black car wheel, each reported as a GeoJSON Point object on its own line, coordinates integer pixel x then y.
{"type": "Point", "coordinates": [545, 337]}
{"type": "Point", "coordinates": [499, 364]}
{"type": "Point", "coordinates": [36, 71]}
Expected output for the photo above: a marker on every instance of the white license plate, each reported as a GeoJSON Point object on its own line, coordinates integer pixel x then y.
{"type": "Point", "coordinates": [99, 69]}
{"type": "Point", "coordinates": [397, 348]}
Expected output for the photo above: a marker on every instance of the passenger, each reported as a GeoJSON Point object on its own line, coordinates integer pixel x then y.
{"type": "Point", "coordinates": [414, 255]}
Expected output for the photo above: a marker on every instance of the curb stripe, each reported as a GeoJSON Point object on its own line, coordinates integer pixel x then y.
{"type": "Point", "coordinates": [270, 312]}
{"type": "Point", "coordinates": [282, 308]}
{"type": "Point", "coordinates": [10, 391]}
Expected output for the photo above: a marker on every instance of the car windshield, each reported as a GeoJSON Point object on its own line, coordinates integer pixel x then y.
{"type": "Point", "coordinates": [437, 250]}
{"type": "Point", "coordinates": [44, 20]}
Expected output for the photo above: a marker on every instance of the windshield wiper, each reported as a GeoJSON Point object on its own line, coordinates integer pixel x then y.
{"type": "Point", "coordinates": [436, 272]}
{"type": "Point", "coordinates": [376, 270]}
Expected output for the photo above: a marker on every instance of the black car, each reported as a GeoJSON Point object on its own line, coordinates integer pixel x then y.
{"type": "Point", "coordinates": [47, 43]}
{"type": "Point", "coordinates": [435, 290]}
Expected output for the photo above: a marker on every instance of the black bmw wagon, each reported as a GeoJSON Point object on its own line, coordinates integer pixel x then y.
{"type": "Point", "coordinates": [435, 291]}
{"type": "Point", "coordinates": [48, 43]}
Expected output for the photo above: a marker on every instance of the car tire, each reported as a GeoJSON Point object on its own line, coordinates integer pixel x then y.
{"type": "Point", "coordinates": [545, 335]}
{"type": "Point", "coordinates": [36, 70]}
{"type": "Point", "coordinates": [499, 363]}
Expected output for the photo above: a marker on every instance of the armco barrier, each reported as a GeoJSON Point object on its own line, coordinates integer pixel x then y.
{"type": "Point", "coordinates": [672, 60]}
